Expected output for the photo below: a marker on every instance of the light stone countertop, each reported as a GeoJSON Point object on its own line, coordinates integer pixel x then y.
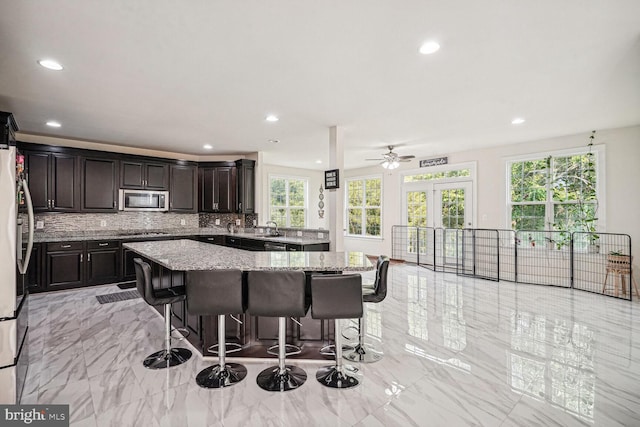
{"type": "Point", "coordinates": [75, 236]}
{"type": "Point", "coordinates": [186, 255]}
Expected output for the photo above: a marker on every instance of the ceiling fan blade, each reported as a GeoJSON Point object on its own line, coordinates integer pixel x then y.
{"type": "Point", "coordinates": [404, 160]}
{"type": "Point", "coordinates": [377, 160]}
{"type": "Point", "coordinates": [406, 157]}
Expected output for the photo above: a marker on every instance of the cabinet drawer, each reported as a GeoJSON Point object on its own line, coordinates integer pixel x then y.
{"type": "Point", "coordinates": [104, 244]}
{"type": "Point", "coordinates": [64, 246]}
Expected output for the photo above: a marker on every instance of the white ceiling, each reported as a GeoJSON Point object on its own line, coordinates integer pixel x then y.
{"type": "Point", "coordinates": [174, 75]}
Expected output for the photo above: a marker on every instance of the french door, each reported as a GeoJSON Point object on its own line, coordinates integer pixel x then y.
{"type": "Point", "coordinates": [446, 205]}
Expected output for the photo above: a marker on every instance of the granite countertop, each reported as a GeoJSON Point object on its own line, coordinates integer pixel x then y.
{"type": "Point", "coordinates": [186, 255]}
{"type": "Point", "coordinates": [74, 236]}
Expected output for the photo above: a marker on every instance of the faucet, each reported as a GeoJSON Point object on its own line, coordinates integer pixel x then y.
{"type": "Point", "coordinates": [269, 232]}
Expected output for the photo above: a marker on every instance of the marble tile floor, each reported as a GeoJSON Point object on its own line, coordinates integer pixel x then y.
{"type": "Point", "coordinates": [458, 351]}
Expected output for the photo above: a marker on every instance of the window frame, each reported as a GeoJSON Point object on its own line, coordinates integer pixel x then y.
{"type": "Point", "coordinates": [600, 165]}
{"type": "Point", "coordinates": [287, 207]}
{"type": "Point", "coordinates": [363, 206]}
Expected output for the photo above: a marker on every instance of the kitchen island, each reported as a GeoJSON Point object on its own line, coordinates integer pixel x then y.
{"type": "Point", "coordinates": [171, 259]}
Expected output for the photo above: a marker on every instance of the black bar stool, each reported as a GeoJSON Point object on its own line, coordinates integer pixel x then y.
{"type": "Point", "coordinates": [217, 292]}
{"type": "Point", "coordinates": [168, 356]}
{"type": "Point", "coordinates": [278, 294]}
{"type": "Point", "coordinates": [375, 294]}
{"type": "Point", "coordinates": [337, 296]}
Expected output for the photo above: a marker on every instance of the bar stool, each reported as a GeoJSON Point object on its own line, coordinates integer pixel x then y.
{"type": "Point", "coordinates": [375, 294]}
{"type": "Point", "coordinates": [169, 356]}
{"type": "Point", "coordinates": [337, 296]}
{"type": "Point", "coordinates": [219, 293]}
{"type": "Point", "coordinates": [278, 294]}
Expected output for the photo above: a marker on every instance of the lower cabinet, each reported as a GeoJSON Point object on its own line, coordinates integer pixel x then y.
{"type": "Point", "coordinates": [64, 265]}
{"type": "Point", "coordinates": [103, 262]}
{"type": "Point", "coordinates": [76, 264]}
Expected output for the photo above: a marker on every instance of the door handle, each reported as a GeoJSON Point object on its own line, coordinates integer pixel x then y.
{"type": "Point", "coordinates": [103, 244]}
{"type": "Point", "coordinates": [65, 246]}
{"type": "Point", "coordinates": [81, 257]}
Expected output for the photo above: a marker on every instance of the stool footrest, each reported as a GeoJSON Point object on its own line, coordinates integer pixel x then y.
{"type": "Point", "coordinates": [235, 347]}
{"type": "Point", "coordinates": [184, 333]}
{"type": "Point", "coordinates": [290, 350]}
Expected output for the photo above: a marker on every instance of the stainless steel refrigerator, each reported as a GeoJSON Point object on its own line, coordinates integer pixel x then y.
{"type": "Point", "coordinates": [16, 242]}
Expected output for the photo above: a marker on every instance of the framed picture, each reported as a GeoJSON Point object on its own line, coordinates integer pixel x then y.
{"type": "Point", "coordinates": [331, 179]}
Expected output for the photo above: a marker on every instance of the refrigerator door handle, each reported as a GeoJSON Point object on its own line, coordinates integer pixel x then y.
{"type": "Point", "coordinates": [22, 266]}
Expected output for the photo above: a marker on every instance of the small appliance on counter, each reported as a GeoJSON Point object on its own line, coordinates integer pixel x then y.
{"type": "Point", "coordinates": [144, 200]}
{"type": "Point", "coordinates": [16, 235]}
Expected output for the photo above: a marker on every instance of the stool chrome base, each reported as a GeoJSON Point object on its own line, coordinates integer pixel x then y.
{"type": "Point", "coordinates": [330, 376]}
{"type": "Point", "coordinates": [167, 358]}
{"type": "Point", "coordinates": [360, 353]}
{"type": "Point", "coordinates": [214, 377]}
{"type": "Point", "coordinates": [271, 379]}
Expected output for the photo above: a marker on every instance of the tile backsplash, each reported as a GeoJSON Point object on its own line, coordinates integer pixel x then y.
{"type": "Point", "coordinates": [115, 221]}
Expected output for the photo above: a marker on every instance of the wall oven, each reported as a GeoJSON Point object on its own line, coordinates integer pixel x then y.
{"type": "Point", "coordinates": [144, 200]}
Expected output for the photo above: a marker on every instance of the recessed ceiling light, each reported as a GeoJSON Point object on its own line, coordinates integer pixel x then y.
{"type": "Point", "coordinates": [272, 118]}
{"type": "Point", "coordinates": [207, 146]}
{"type": "Point", "coordinates": [517, 121]}
{"type": "Point", "coordinates": [319, 162]}
{"type": "Point", "coordinates": [53, 124]}
{"type": "Point", "coordinates": [428, 48]}
{"type": "Point", "coordinates": [50, 64]}
{"type": "Point", "coordinates": [273, 141]}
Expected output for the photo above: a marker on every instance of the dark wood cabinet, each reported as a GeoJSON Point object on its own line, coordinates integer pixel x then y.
{"type": "Point", "coordinates": [217, 188]}
{"type": "Point", "coordinates": [103, 262]}
{"type": "Point", "coordinates": [53, 181]}
{"type": "Point", "coordinates": [183, 188]}
{"type": "Point", "coordinates": [99, 184]}
{"type": "Point", "coordinates": [75, 264]}
{"type": "Point", "coordinates": [144, 175]}
{"type": "Point", "coordinates": [34, 271]}
{"type": "Point", "coordinates": [246, 186]}
{"type": "Point", "coordinates": [64, 265]}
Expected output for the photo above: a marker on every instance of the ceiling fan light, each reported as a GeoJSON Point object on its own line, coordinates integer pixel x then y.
{"type": "Point", "coordinates": [390, 164]}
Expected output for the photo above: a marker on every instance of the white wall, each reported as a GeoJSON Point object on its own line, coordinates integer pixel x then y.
{"type": "Point", "coordinates": [315, 178]}
{"type": "Point", "coordinates": [622, 206]}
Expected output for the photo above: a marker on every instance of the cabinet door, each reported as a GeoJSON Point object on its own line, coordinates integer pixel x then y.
{"type": "Point", "coordinates": [206, 189]}
{"type": "Point", "coordinates": [131, 174]}
{"type": "Point", "coordinates": [64, 269]}
{"type": "Point", "coordinates": [128, 267]}
{"type": "Point", "coordinates": [34, 271]}
{"type": "Point", "coordinates": [100, 185]}
{"type": "Point", "coordinates": [157, 176]}
{"type": "Point", "coordinates": [103, 266]}
{"type": "Point", "coordinates": [64, 183]}
{"type": "Point", "coordinates": [225, 189]}
{"type": "Point", "coordinates": [37, 165]}
{"type": "Point", "coordinates": [184, 184]}
{"type": "Point", "coordinates": [246, 186]}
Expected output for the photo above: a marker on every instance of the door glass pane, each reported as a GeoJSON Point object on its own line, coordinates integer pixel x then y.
{"type": "Point", "coordinates": [453, 208]}
{"type": "Point", "coordinates": [416, 217]}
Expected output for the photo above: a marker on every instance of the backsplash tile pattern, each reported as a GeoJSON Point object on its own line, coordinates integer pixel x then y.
{"type": "Point", "coordinates": [209, 219]}
{"type": "Point", "coordinates": [115, 221]}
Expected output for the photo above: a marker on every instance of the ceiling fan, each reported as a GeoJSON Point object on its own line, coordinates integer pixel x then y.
{"type": "Point", "coordinates": [391, 160]}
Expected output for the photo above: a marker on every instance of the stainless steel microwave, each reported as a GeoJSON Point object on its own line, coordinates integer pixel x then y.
{"type": "Point", "coordinates": [144, 200]}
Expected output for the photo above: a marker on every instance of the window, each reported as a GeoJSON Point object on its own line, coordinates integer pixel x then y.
{"type": "Point", "coordinates": [364, 199]}
{"type": "Point", "coordinates": [554, 193]}
{"type": "Point", "coordinates": [288, 201]}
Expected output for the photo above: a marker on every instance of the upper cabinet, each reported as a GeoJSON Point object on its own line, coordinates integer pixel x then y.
{"type": "Point", "coordinates": [144, 175]}
{"type": "Point", "coordinates": [99, 184]}
{"type": "Point", "coordinates": [246, 194]}
{"type": "Point", "coordinates": [54, 181]}
{"type": "Point", "coordinates": [183, 195]}
{"type": "Point", "coordinates": [217, 187]}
